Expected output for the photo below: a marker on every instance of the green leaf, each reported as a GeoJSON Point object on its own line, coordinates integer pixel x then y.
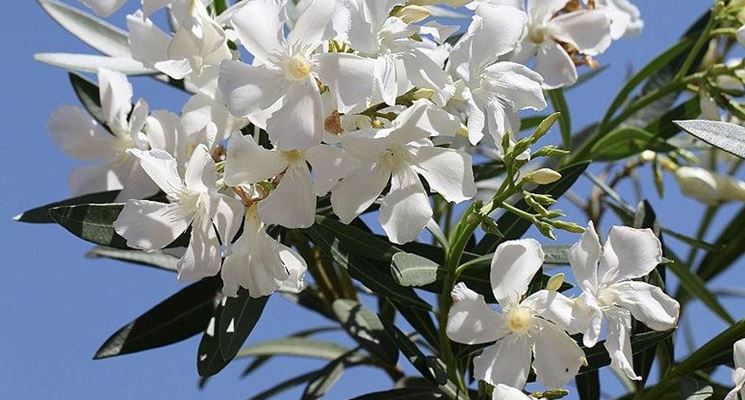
{"type": "Point", "coordinates": [723, 135]}
{"type": "Point", "coordinates": [514, 227]}
{"type": "Point", "coordinates": [695, 286]}
{"type": "Point", "coordinates": [89, 95]}
{"type": "Point", "coordinates": [597, 357]}
{"type": "Point", "coordinates": [156, 259]}
{"type": "Point", "coordinates": [287, 385]}
{"type": "Point", "coordinates": [179, 317]}
{"type": "Point", "coordinates": [413, 270]}
{"type": "Point", "coordinates": [238, 318]}
{"type": "Point", "coordinates": [559, 104]}
{"type": "Point", "coordinates": [366, 329]}
{"type": "Point", "coordinates": [403, 394]}
{"type": "Point", "coordinates": [295, 347]}
{"type": "Point", "coordinates": [556, 255]}
{"type": "Point", "coordinates": [664, 126]}
{"type": "Point", "coordinates": [729, 245]}
{"type": "Point", "coordinates": [327, 377]}
{"type": "Point", "coordinates": [91, 222]}
{"type": "Point", "coordinates": [528, 123]}
{"type": "Point", "coordinates": [40, 215]}
{"type": "Point", "coordinates": [651, 68]}
{"type": "Point", "coordinates": [94, 31]}
{"type": "Point", "coordinates": [626, 142]}
{"type": "Point", "coordinates": [209, 356]}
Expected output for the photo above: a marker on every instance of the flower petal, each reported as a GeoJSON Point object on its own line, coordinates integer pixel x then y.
{"type": "Point", "coordinates": [738, 349]}
{"type": "Point", "coordinates": [555, 66]}
{"type": "Point", "coordinates": [504, 392]}
{"type": "Point", "coordinates": [405, 209]}
{"type": "Point", "coordinates": [249, 89]}
{"type": "Point", "coordinates": [104, 8]}
{"type": "Point", "coordinates": [557, 356]}
{"type": "Point", "coordinates": [247, 162]}
{"type": "Point", "coordinates": [227, 218]}
{"type": "Point", "coordinates": [355, 193]}
{"type": "Point", "coordinates": [586, 30]}
{"type": "Point", "coordinates": [149, 225]}
{"type": "Point", "coordinates": [259, 25]}
{"type": "Point", "coordinates": [516, 83]}
{"type": "Point", "coordinates": [148, 43]}
{"type": "Point", "coordinates": [79, 135]}
{"type": "Point", "coordinates": [116, 96]}
{"type": "Point", "coordinates": [330, 165]}
{"type": "Point", "coordinates": [514, 264]}
{"type": "Point", "coordinates": [311, 25]}
{"type": "Point", "coordinates": [506, 362]}
{"type": "Point", "coordinates": [162, 169]}
{"type": "Point", "coordinates": [552, 306]}
{"type": "Point", "coordinates": [296, 266]}
{"type": "Point", "coordinates": [201, 173]}
{"type": "Point", "coordinates": [647, 303]}
{"type": "Point", "coordinates": [449, 172]}
{"type": "Point", "coordinates": [95, 178]}
{"type": "Point", "coordinates": [471, 320]}
{"type": "Point", "coordinates": [292, 204]}
{"type": "Point", "coordinates": [350, 78]}
{"type": "Point", "coordinates": [629, 253]}
{"type": "Point", "coordinates": [585, 255]}
{"type": "Point", "coordinates": [618, 343]}
{"type": "Point", "coordinates": [298, 124]}
{"type": "Point", "coordinates": [202, 257]}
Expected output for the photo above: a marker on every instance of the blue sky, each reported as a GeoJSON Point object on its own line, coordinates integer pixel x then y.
{"type": "Point", "coordinates": [58, 307]}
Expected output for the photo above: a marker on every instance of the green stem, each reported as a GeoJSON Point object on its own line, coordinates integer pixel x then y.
{"type": "Point", "coordinates": [702, 40]}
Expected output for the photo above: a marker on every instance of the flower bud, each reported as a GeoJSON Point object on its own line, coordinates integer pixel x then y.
{"type": "Point", "coordinates": [411, 14]}
{"type": "Point", "coordinates": [543, 176]}
{"type": "Point", "coordinates": [555, 282]}
{"type": "Point", "coordinates": [568, 226]}
{"type": "Point", "coordinates": [423, 93]}
{"type": "Point", "coordinates": [709, 187]}
{"type": "Point", "coordinates": [546, 229]}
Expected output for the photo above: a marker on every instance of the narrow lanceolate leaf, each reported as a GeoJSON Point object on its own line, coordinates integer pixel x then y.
{"type": "Point", "coordinates": [327, 377]}
{"type": "Point", "coordinates": [209, 355]}
{"type": "Point", "coordinates": [696, 287]}
{"type": "Point", "coordinates": [729, 245]}
{"type": "Point", "coordinates": [627, 142]}
{"type": "Point", "coordinates": [414, 270]}
{"type": "Point", "coordinates": [40, 215]}
{"type": "Point", "coordinates": [237, 319]}
{"type": "Point", "coordinates": [588, 385]}
{"type": "Point", "coordinates": [512, 226]}
{"type": "Point", "coordinates": [559, 104]}
{"type": "Point", "coordinates": [157, 259]}
{"type": "Point", "coordinates": [403, 394]}
{"type": "Point", "coordinates": [179, 317]}
{"type": "Point", "coordinates": [723, 135]}
{"type": "Point", "coordinates": [597, 357]}
{"type": "Point", "coordinates": [91, 222]}
{"type": "Point", "coordinates": [556, 255]}
{"type": "Point", "coordinates": [89, 95]}
{"type": "Point", "coordinates": [92, 63]}
{"type": "Point", "coordinates": [295, 347]}
{"type": "Point", "coordinates": [366, 329]}
{"type": "Point", "coordinates": [93, 31]}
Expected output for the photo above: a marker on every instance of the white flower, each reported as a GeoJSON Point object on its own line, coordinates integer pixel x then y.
{"type": "Point", "coordinates": [738, 375]}
{"type": "Point", "coordinates": [709, 187]}
{"type": "Point", "coordinates": [504, 392]}
{"type": "Point", "coordinates": [104, 8]}
{"type": "Point", "coordinates": [625, 18]}
{"type": "Point", "coordinates": [587, 31]}
{"type": "Point", "coordinates": [399, 154]}
{"type": "Point", "coordinates": [84, 138]}
{"type": "Point", "coordinates": [609, 291]}
{"type": "Point", "coordinates": [293, 202]}
{"type": "Point", "coordinates": [494, 92]}
{"type": "Point", "coordinates": [524, 326]}
{"type": "Point", "coordinates": [194, 201]}
{"type": "Point", "coordinates": [151, 6]}
{"type": "Point", "coordinates": [283, 80]}
{"type": "Point", "coordinates": [261, 264]}
{"type": "Point", "coordinates": [195, 51]}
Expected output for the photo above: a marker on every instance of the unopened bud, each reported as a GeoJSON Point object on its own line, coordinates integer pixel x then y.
{"type": "Point", "coordinates": [423, 93]}
{"type": "Point", "coordinates": [543, 176]}
{"type": "Point", "coordinates": [411, 14]}
{"type": "Point", "coordinates": [545, 126]}
{"type": "Point", "coordinates": [462, 131]}
{"type": "Point", "coordinates": [568, 226]}
{"type": "Point", "coordinates": [543, 199]}
{"type": "Point", "coordinates": [377, 124]}
{"type": "Point", "coordinates": [535, 205]}
{"type": "Point", "coordinates": [709, 187]}
{"type": "Point", "coordinates": [550, 151]}
{"type": "Point", "coordinates": [555, 282]}
{"type": "Point", "coordinates": [489, 225]}
{"type": "Point", "coordinates": [546, 229]}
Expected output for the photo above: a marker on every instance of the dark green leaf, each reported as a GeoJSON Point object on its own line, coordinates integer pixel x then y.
{"type": "Point", "coordinates": [157, 259]}
{"type": "Point", "coordinates": [366, 329]}
{"type": "Point", "coordinates": [597, 357]}
{"type": "Point", "coordinates": [179, 317]}
{"type": "Point", "coordinates": [91, 222]}
{"type": "Point", "coordinates": [560, 105]}
{"type": "Point", "coordinates": [696, 287]}
{"type": "Point", "coordinates": [730, 245]}
{"type": "Point", "coordinates": [723, 135]}
{"type": "Point", "coordinates": [327, 377]}
{"type": "Point", "coordinates": [89, 95]}
{"type": "Point", "coordinates": [413, 270]}
{"type": "Point", "coordinates": [295, 347]}
{"type": "Point", "coordinates": [588, 385]}
{"type": "Point", "coordinates": [40, 215]}
{"type": "Point", "coordinates": [237, 319]}
{"type": "Point", "coordinates": [626, 142]}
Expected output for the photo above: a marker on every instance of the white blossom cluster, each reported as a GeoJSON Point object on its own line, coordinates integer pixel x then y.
{"type": "Point", "coordinates": [358, 99]}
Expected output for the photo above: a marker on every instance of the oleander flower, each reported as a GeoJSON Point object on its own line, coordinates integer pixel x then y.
{"type": "Point", "coordinates": [738, 375]}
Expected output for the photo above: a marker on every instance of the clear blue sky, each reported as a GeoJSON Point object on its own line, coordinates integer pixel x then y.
{"type": "Point", "coordinates": [58, 307]}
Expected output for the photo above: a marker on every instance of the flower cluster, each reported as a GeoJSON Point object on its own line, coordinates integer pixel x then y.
{"type": "Point", "coordinates": [541, 322]}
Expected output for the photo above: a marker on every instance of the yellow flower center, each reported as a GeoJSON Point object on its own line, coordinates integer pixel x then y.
{"type": "Point", "coordinates": [519, 320]}
{"type": "Point", "coordinates": [292, 155]}
{"type": "Point", "coordinates": [297, 67]}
